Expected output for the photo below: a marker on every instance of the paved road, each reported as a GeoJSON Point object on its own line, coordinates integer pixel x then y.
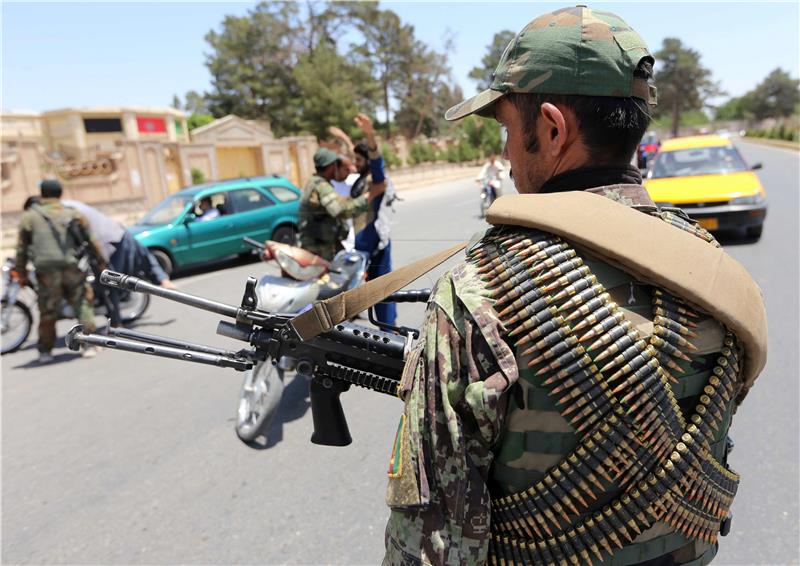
{"type": "Point", "coordinates": [129, 460]}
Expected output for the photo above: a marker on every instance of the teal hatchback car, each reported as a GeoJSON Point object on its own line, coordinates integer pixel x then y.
{"type": "Point", "coordinates": [207, 222]}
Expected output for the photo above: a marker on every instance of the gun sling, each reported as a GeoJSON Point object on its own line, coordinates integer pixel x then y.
{"type": "Point", "coordinates": [639, 243]}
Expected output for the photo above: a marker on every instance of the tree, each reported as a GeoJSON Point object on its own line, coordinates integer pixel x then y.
{"type": "Point", "coordinates": [734, 109]}
{"type": "Point", "coordinates": [251, 66]}
{"type": "Point", "coordinates": [683, 83]}
{"type": "Point", "coordinates": [427, 91]}
{"type": "Point", "coordinates": [387, 47]}
{"type": "Point", "coordinates": [333, 91]}
{"type": "Point", "coordinates": [195, 103]}
{"type": "Point", "coordinates": [176, 102]}
{"type": "Point", "coordinates": [483, 74]}
{"type": "Point", "coordinates": [196, 120]}
{"type": "Point", "coordinates": [776, 96]}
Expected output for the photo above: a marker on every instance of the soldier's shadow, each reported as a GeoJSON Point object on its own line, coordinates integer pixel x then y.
{"type": "Point", "coordinates": [57, 359]}
{"type": "Point", "coordinates": [294, 405]}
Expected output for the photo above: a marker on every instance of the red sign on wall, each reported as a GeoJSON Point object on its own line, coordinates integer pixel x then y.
{"type": "Point", "coordinates": [151, 125]}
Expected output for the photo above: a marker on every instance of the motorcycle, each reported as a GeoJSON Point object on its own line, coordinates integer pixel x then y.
{"type": "Point", "coordinates": [18, 302]}
{"type": "Point", "coordinates": [305, 278]}
{"type": "Point", "coordinates": [489, 193]}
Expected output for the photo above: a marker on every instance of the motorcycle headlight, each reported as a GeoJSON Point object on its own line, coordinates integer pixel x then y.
{"type": "Point", "coordinates": [754, 199]}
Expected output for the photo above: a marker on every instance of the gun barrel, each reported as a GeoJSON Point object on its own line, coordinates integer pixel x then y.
{"type": "Point", "coordinates": [166, 341]}
{"type": "Point", "coordinates": [131, 283]}
{"type": "Point", "coordinates": [76, 338]}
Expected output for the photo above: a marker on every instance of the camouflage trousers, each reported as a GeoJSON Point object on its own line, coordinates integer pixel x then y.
{"type": "Point", "coordinates": [52, 286]}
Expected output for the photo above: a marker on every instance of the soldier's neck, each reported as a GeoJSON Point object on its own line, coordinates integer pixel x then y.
{"type": "Point", "coordinates": [592, 176]}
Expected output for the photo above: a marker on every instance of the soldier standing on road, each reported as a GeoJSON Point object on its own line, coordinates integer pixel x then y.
{"type": "Point", "coordinates": [45, 239]}
{"type": "Point", "coordinates": [558, 409]}
{"type": "Point", "coordinates": [123, 252]}
{"type": "Point", "coordinates": [323, 212]}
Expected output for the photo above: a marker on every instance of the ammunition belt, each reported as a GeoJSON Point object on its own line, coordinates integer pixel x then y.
{"type": "Point", "coordinates": [614, 387]}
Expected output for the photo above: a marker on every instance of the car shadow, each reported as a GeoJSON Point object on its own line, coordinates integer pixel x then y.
{"type": "Point", "coordinates": [294, 405]}
{"type": "Point", "coordinates": [735, 238]}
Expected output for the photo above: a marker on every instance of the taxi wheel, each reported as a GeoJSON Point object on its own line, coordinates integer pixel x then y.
{"type": "Point", "coordinates": [754, 232]}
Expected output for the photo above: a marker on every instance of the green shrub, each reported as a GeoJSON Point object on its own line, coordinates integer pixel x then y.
{"type": "Point", "coordinates": [451, 153]}
{"type": "Point", "coordinates": [467, 152]}
{"type": "Point", "coordinates": [390, 157]}
{"type": "Point", "coordinates": [197, 176]}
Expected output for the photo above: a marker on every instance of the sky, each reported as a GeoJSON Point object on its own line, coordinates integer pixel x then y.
{"type": "Point", "coordinates": [57, 55]}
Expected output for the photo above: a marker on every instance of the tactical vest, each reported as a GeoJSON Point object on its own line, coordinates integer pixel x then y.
{"type": "Point", "coordinates": [614, 443]}
{"type": "Point", "coordinates": [52, 246]}
{"type": "Point", "coordinates": [316, 226]}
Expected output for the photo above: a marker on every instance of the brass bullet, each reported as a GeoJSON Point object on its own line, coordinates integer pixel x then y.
{"type": "Point", "coordinates": [602, 320]}
{"type": "Point", "coordinates": [615, 333]}
{"type": "Point", "coordinates": [562, 348]}
{"type": "Point", "coordinates": [576, 287]}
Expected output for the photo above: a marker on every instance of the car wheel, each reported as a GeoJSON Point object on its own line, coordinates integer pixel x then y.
{"type": "Point", "coordinates": [163, 260]}
{"type": "Point", "coordinates": [285, 234]}
{"type": "Point", "coordinates": [754, 232]}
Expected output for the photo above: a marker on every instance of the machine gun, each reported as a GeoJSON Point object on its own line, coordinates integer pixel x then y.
{"type": "Point", "coordinates": [348, 354]}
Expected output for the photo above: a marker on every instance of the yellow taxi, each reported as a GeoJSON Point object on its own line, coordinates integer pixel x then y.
{"type": "Point", "coordinates": [708, 178]}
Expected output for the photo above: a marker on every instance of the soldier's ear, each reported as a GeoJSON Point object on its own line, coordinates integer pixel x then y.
{"type": "Point", "coordinates": [553, 124]}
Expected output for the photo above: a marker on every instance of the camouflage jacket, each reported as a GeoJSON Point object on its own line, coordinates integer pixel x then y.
{"type": "Point", "coordinates": [48, 244]}
{"type": "Point", "coordinates": [323, 213]}
{"type": "Point", "coordinates": [457, 389]}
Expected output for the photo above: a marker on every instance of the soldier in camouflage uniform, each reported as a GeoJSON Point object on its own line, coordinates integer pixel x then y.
{"type": "Point", "coordinates": [557, 409]}
{"type": "Point", "coordinates": [45, 239]}
{"type": "Point", "coordinates": [323, 212]}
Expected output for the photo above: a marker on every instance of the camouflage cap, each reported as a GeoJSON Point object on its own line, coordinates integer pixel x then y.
{"type": "Point", "coordinates": [569, 51]}
{"type": "Point", "coordinates": [324, 157]}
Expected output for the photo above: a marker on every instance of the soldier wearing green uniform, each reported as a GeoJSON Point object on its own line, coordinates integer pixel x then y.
{"type": "Point", "coordinates": [558, 409]}
{"type": "Point", "coordinates": [323, 212]}
{"type": "Point", "coordinates": [46, 240]}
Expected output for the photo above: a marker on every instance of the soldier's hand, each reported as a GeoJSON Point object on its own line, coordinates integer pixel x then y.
{"type": "Point", "coordinates": [364, 122]}
{"type": "Point", "coordinates": [167, 284]}
{"type": "Point", "coordinates": [337, 132]}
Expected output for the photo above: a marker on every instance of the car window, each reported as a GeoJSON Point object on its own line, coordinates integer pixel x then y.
{"type": "Point", "coordinates": [243, 200]}
{"type": "Point", "coordinates": [283, 194]}
{"type": "Point", "coordinates": [698, 161]}
{"type": "Point", "coordinates": [166, 211]}
{"type": "Point", "coordinates": [218, 202]}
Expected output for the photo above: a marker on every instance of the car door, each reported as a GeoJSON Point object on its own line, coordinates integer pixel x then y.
{"type": "Point", "coordinates": [211, 239]}
{"type": "Point", "coordinates": [250, 208]}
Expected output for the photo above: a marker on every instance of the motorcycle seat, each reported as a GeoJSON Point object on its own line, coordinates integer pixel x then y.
{"type": "Point", "coordinates": [296, 262]}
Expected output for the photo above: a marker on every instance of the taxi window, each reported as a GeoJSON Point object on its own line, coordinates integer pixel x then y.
{"type": "Point", "coordinates": [698, 161]}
